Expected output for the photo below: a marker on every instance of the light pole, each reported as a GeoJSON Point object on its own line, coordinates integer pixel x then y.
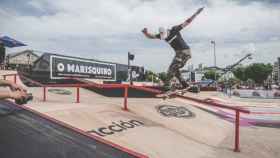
{"type": "Point", "coordinates": [215, 64]}
{"type": "Point", "coordinates": [130, 57]}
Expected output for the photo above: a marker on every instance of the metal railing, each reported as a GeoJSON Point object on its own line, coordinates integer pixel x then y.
{"type": "Point", "coordinates": [237, 111]}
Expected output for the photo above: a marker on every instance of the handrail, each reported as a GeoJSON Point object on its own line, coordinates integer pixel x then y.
{"type": "Point", "coordinates": [237, 110]}
{"type": "Point", "coordinates": [146, 89]}
{"type": "Point", "coordinates": [9, 74]}
{"type": "Point", "coordinates": [212, 103]}
{"type": "Point", "coordinates": [32, 81]}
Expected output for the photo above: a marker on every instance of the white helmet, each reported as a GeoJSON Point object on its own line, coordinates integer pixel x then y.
{"type": "Point", "coordinates": [161, 30]}
{"type": "Point", "coordinates": [162, 33]}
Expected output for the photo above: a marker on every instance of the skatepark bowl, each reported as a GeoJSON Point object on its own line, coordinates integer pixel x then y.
{"type": "Point", "coordinates": [97, 137]}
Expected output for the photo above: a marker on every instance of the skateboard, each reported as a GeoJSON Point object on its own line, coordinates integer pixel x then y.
{"type": "Point", "coordinates": [172, 93]}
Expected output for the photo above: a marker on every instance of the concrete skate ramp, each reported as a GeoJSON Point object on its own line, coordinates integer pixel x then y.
{"type": "Point", "coordinates": [27, 135]}
{"type": "Point", "coordinates": [143, 128]}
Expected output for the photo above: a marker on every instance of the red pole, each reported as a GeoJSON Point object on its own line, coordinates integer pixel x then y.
{"type": "Point", "coordinates": [236, 149]}
{"type": "Point", "coordinates": [125, 98]}
{"type": "Point", "coordinates": [44, 94]}
{"type": "Point", "coordinates": [78, 95]}
{"type": "Point", "coordinates": [15, 78]}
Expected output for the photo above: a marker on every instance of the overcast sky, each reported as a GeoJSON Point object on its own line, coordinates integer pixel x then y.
{"type": "Point", "coordinates": [108, 29]}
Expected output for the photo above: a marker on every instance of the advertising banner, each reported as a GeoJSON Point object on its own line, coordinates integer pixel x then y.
{"type": "Point", "coordinates": [65, 67]}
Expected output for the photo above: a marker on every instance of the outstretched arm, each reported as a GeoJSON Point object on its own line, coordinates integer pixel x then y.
{"type": "Point", "coordinates": [12, 85]}
{"type": "Point", "coordinates": [189, 20]}
{"type": "Point", "coordinates": [147, 34]}
{"type": "Point", "coordinates": [12, 95]}
{"type": "Point", "coordinates": [16, 92]}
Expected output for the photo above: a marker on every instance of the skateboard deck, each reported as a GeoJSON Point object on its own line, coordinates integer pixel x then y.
{"type": "Point", "coordinates": [172, 93]}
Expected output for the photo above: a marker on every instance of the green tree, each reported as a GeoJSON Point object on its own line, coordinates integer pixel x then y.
{"type": "Point", "coordinates": [258, 72]}
{"type": "Point", "coordinates": [239, 73]}
{"type": "Point", "coordinates": [210, 74]}
{"type": "Point", "coordinates": [151, 76]}
{"type": "Point", "coordinates": [162, 76]}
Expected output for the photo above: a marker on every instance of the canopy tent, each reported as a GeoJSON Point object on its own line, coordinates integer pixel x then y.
{"type": "Point", "coordinates": [10, 42]}
{"type": "Point", "coordinates": [6, 41]}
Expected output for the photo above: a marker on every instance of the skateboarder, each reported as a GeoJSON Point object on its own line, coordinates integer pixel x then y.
{"type": "Point", "coordinates": [183, 53]}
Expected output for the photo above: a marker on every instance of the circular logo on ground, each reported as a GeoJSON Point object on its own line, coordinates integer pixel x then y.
{"type": "Point", "coordinates": [60, 91]}
{"type": "Point", "coordinates": [174, 111]}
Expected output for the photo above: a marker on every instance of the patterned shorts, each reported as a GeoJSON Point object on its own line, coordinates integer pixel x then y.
{"type": "Point", "coordinates": [179, 61]}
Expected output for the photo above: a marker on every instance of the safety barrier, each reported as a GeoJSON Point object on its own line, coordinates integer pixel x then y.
{"type": "Point", "coordinates": [125, 104]}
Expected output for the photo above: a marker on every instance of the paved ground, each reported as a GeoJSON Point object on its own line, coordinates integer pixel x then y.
{"type": "Point", "coordinates": [180, 130]}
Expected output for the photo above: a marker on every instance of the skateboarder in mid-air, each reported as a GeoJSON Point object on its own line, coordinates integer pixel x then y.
{"type": "Point", "coordinates": [183, 53]}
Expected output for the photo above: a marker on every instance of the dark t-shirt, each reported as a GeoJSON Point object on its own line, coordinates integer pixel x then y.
{"type": "Point", "coordinates": [175, 38]}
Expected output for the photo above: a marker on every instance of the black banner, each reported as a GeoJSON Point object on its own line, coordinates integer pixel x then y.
{"type": "Point", "coordinates": [138, 73]}
{"type": "Point", "coordinates": [63, 67]}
